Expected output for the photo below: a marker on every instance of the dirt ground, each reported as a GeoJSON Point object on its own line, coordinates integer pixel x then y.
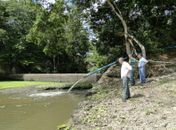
{"type": "Point", "coordinates": [152, 107]}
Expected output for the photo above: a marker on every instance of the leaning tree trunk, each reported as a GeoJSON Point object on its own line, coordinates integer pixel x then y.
{"type": "Point", "coordinates": [128, 50]}
{"type": "Point", "coordinates": [126, 34]}
{"type": "Point", "coordinates": [139, 44]}
{"type": "Point", "coordinates": [132, 45]}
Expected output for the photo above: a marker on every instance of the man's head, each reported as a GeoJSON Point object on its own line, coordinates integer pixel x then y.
{"type": "Point", "coordinates": [130, 55]}
{"type": "Point", "coordinates": [121, 60]}
{"type": "Point", "coordinates": [139, 55]}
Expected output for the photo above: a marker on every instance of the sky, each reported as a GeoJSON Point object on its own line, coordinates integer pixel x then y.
{"type": "Point", "coordinates": [51, 1]}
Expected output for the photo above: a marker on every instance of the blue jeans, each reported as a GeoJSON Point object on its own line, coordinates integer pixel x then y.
{"type": "Point", "coordinates": [126, 89]}
{"type": "Point", "coordinates": [142, 74]}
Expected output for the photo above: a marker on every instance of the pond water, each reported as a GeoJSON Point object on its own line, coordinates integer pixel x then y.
{"type": "Point", "coordinates": [35, 110]}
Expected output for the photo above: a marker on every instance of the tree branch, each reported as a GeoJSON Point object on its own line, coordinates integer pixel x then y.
{"type": "Point", "coordinates": [117, 8]}
{"type": "Point", "coordinates": [134, 49]}
{"type": "Point", "coordinates": [161, 62]}
{"type": "Point", "coordinates": [114, 7]}
{"type": "Point", "coordinates": [139, 44]}
{"type": "Point", "coordinates": [124, 26]}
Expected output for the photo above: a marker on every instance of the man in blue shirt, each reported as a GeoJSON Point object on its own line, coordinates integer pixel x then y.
{"type": "Point", "coordinates": [141, 65]}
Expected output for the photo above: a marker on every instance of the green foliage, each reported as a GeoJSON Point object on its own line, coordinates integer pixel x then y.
{"type": "Point", "coordinates": [20, 84]}
{"type": "Point", "coordinates": [101, 94]}
{"type": "Point", "coordinates": [95, 60]}
{"type": "Point", "coordinates": [16, 53]}
{"type": "Point", "coordinates": [48, 30]}
{"type": "Point", "coordinates": [62, 37]}
{"type": "Point", "coordinates": [56, 38]}
{"type": "Point", "coordinates": [37, 39]}
{"type": "Point", "coordinates": [63, 127]}
{"type": "Point", "coordinates": [151, 22]}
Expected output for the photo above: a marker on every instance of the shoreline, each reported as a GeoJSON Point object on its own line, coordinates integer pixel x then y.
{"type": "Point", "coordinates": [152, 106]}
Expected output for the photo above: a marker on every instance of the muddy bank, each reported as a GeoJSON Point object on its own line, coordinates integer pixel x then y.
{"type": "Point", "coordinates": [152, 107]}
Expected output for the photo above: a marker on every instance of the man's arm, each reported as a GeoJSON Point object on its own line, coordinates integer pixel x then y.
{"type": "Point", "coordinates": [145, 61]}
{"type": "Point", "coordinates": [136, 60]}
{"type": "Point", "coordinates": [133, 60]}
{"type": "Point", "coordinates": [129, 68]}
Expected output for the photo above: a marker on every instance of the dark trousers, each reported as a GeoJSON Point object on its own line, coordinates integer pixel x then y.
{"type": "Point", "coordinates": [126, 89]}
{"type": "Point", "coordinates": [132, 79]}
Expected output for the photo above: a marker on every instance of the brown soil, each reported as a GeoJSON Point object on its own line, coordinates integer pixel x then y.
{"type": "Point", "coordinates": [152, 107]}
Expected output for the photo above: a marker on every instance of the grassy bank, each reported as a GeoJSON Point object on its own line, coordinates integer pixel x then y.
{"type": "Point", "coordinates": [20, 84]}
{"type": "Point", "coordinates": [47, 85]}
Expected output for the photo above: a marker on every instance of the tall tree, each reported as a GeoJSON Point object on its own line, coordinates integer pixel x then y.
{"type": "Point", "coordinates": [141, 18]}
{"type": "Point", "coordinates": [16, 20]}
{"type": "Point", "coordinates": [59, 32]}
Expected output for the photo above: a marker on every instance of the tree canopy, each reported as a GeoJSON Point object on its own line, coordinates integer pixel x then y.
{"type": "Point", "coordinates": [151, 22]}
{"type": "Point", "coordinates": [79, 35]}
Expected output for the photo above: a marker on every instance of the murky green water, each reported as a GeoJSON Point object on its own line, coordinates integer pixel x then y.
{"type": "Point", "coordinates": [21, 111]}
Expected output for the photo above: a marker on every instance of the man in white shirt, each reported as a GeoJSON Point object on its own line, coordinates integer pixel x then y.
{"type": "Point", "coordinates": [125, 76]}
{"type": "Point", "coordinates": [141, 65]}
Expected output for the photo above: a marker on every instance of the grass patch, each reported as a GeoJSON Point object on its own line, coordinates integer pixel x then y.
{"type": "Point", "coordinates": [95, 114]}
{"type": "Point", "coordinates": [163, 81]}
{"type": "Point", "coordinates": [99, 96]}
{"type": "Point", "coordinates": [20, 84]}
{"type": "Point", "coordinates": [170, 86]}
{"type": "Point", "coordinates": [149, 111]}
{"type": "Point", "coordinates": [63, 127]}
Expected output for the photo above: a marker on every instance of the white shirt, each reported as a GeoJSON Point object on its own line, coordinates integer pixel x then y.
{"type": "Point", "coordinates": [125, 68]}
{"type": "Point", "coordinates": [142, 62]}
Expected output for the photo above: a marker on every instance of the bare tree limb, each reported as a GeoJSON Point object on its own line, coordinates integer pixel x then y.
{"type": "Point", "coordinates": [161, 62]}
{"type": "Point", "coordinates": [114, 7]}
{"type": "Point", "coordinates": [134, 49]}
{"type": "Point", "coordinates": [139, 44]}
{"type": "Point", "coordinates": [128, 50]}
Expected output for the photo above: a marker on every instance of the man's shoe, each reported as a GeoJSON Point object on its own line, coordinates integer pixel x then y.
{"type": "Point", "coordinates": [123, 100]}
{"type": "Point", "coordinates": [132, 84]}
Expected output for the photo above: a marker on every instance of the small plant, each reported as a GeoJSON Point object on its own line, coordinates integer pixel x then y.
{"type": "Point", "coordinates": [149, 111]}
{"type": "Point", "coordinates": [63, 127]}
{"type": "Point", "coordinates": [163, 82]}
{"type": "Point", "coordinates": [95, 114]}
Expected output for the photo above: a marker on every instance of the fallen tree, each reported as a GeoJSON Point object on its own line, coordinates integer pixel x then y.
{"type": "Point", "coordinates": [154, 69]}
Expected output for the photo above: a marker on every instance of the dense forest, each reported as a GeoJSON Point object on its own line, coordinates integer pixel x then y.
{"type": "Point", "coordinates": [79, 35]}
